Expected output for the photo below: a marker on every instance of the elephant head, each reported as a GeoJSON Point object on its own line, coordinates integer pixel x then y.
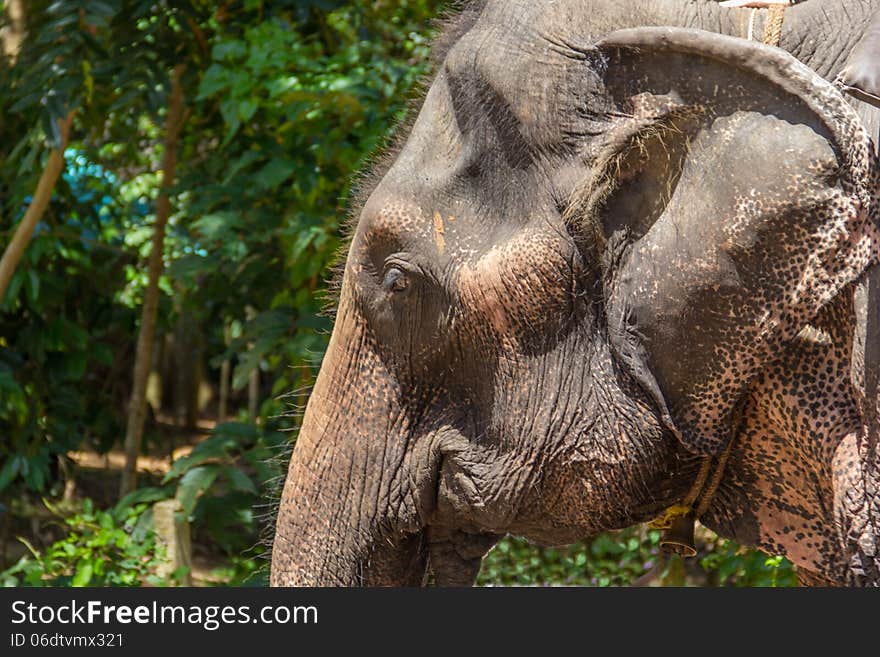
{"type": "Point", "coordinates": [579, 268]}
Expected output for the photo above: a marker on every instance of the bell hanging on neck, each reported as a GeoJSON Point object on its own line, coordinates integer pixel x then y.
{"type": "Point", "coordinates": [679, 537]}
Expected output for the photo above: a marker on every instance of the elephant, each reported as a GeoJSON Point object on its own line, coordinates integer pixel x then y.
{"type": "Point", "coordinates": [618, 251]}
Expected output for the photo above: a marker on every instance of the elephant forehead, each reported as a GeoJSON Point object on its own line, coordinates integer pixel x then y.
{"type": "Point", "coordinates": [438, 236]}
{"type": "Point", "coordinates": [383, 220]}
{"type": "Point", "coordinates": [506, 76]}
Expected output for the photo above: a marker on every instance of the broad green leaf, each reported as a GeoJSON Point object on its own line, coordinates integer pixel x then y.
{"type": "Point", "coordinates": [14, 286]}
{"type": "Point", "coordinates": [33, 286]}
{"type": "Point", "coordinates": [247, 108]}
{"type": "Point", "coordinates": [239, 430]}
{"type": "Point", "coordinates": [242, 163]}
{"type": "Point", "coordinates": [100, 8]}
{"type": "Point", "coordinates": [194, 483]}
{"type": "Point", "coordinates": [213, 81]}
{"type": "Point", "coordinates": [229, 111]}
{"type": "Point", "coordinates": [216, 447]}
{"type": "Point", "coordinates": [139, 496]}
{"type": "Point", "coordinates": [9, 470]}
{"type": "Point", "coordinates": [189, 266]}
{"type": "Point", "coordinates": [102, 353]}
{"type": "Point", "coordinates": [239, 480]}
{"type": "Point", "coordinates": [217, 225]}
{"type": "Point", "coordinates": [83, 574]}
{"type": "Point", "coordinates": [75, 365]}
{"type": "Point", "coordinates": [275, 172]}
{"type": "Point", "coordinates": [228, 50]}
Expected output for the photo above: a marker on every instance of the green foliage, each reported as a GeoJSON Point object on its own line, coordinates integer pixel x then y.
{"type": "Point", "coordinates": [313, 86]}
{"type": "Point", "coordinates": [66, 322]}
{"type": "Point", "coordinates": [621, 558]}
{"type": "Point", "coordinates": [63, 330]}
{"type": "Point", "coordinates": [221, 482]}
{"type": "Point", "coordinates": [732, 565]}
{"type": "Point", "coordinates": [249, 570]}
{"type": "Point", "coordinates": [100, 548]}
{"type": "Point", "coordinates": [614, 559]}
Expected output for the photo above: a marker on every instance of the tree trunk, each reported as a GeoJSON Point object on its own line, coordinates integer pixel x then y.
{"type": "Point", "coordinates": [253, 379]}
{"type": "Point", "coordinates": [16, 247]}
{"type": "Point", "coordinates": [138, 405]}
{"type": "Point", "coordinates": [173, 531]}
{"type": "Point", "coordinates": [254, 395]}
{"type": "Point", "coordinates": [225, 371]}
{"type": "Point", "coordinates": [13, 34]}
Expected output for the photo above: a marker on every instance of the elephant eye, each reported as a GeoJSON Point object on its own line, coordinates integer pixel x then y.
{"type": "Point", "coordinates": [395, 280]}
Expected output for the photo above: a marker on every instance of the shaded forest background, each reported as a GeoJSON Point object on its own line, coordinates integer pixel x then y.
{"type": "Point", "coordinates": [173, 177]}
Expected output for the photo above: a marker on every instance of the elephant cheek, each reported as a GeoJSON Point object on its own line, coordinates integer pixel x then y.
{"type": "Point", "coordinates": [482, 292]}
{"type": "Point", "coordinates": [521, 290]}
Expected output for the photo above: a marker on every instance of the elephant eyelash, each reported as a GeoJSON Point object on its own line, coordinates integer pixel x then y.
{"type": "Point", "coordinates": [398, 262]}
{"type": "Point", "coordinates": [407, 267]}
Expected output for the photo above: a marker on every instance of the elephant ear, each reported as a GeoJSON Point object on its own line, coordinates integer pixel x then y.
{"type": "Point", "coordinates": [734, 191]}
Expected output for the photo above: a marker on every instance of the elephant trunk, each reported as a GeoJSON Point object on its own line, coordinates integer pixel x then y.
{"type": "Point", "coordinates": [347, 515]}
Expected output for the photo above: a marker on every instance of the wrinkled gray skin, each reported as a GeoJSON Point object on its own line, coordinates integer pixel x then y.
{"type": "Point", "coordinates": [593, 261]}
